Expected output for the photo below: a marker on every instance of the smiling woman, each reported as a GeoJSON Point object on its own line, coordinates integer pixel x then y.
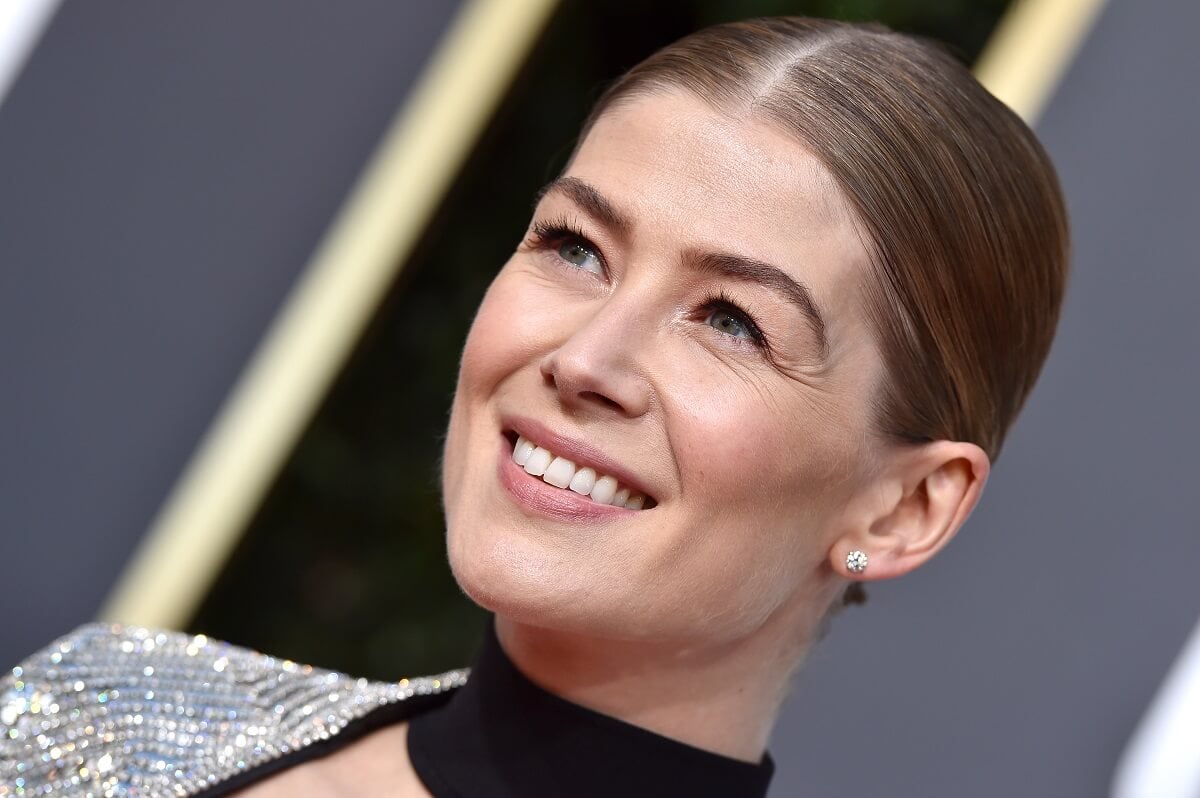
{"type": "Point", "coordinates": [761, 341]}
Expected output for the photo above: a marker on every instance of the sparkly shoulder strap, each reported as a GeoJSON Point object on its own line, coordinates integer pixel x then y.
{"type": "Point", "coordinates": [117, 711]}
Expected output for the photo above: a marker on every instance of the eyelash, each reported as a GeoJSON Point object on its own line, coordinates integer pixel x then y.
{"type": "Point", "coordinates": [547, 234]}
{"type": "Point", "coordinates": [719, 300]}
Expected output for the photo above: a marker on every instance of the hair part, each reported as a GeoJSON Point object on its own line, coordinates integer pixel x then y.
{"type": "Point", "coordinates": [959, 204]}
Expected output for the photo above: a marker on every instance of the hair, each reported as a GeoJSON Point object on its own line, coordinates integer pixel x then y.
{"type": "Point", "coordinates": [958, 202]}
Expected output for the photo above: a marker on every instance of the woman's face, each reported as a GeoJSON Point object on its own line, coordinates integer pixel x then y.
{"type": "Point", "coordinates": [684, 316]}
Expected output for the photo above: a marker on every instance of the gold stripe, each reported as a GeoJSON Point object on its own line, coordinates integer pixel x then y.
{"type": "Point", "coordinates": [1031, 48]}
{"type": "Point", "coordinates": [310, 340]}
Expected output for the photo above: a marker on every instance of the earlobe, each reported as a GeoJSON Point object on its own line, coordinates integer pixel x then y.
{"type": "Point", "coordinates": [925, 500]}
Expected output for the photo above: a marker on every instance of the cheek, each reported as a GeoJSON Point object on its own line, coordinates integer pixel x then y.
{"type": "Point", "coordinates": [504, 337]}
{"type": "Point", "coordinates": [479, 370]}
{"type": "Point", "coordinates": [484, 346]}
{"type": "Point", "coordinates": [760, 450]}
{"type": "Point", "coordinates": [503, 340]}
{"type": "Point", "coordinates": [755, 487]}
{"type": "Point", "coordinates": [765, 477]}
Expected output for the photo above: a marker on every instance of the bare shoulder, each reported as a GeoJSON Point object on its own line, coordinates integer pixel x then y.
{"type": "Point", "coordinates": [376, 765]}
{"type": "Point", "coordinates": [109, 709]}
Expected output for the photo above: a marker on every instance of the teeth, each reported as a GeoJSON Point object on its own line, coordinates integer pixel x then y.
{"type": "Point", "coordinates": [584, 481]}
{"type": "Point", "coordinates": [522, 452]}
{"type": "Point", "coordinates": [538, 462]}
{"type": "Point", "coordinates": [604, 490]}
{"type": "Point", "coordinates": [562, 473]}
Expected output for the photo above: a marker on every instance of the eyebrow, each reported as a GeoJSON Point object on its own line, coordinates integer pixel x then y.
{"type": "Point", "coordinates": [749, 270]}
{"type": "Point", "coordinates": [590, 200]}
{"type": "Point", "coordinates": [736, 267]}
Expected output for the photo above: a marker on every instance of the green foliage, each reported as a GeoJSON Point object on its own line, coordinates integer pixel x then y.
{"type": "Point", "coordinates": [344, 565]}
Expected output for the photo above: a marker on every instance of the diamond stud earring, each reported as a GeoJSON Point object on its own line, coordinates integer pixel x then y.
{"type": "Point", "coordinates": [856, 562]}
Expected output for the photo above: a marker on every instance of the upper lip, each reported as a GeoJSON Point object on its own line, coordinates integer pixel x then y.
{"type": "Point", "coordinates": [582, 454]}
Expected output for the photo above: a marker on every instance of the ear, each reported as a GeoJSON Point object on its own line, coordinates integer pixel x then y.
{"type": "Point", "coordinates": [913, 509]}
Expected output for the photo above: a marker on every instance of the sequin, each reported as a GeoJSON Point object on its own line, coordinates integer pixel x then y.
{"type": "Point", "coordinates": [122, 711]}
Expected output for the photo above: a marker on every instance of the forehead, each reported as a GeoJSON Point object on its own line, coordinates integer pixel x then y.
{"type": "Point", "coordinates": [693, 176]}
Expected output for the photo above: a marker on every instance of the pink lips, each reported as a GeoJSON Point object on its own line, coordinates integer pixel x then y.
{"type": "Point", "coordinates": [578, 452]}
{"type": "Point", "coordinates": [546, 500]}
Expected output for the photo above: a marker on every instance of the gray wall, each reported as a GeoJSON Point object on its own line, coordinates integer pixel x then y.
{"type": "Point", "coordinates": [1018, 663]}
{"type": "Point", "coordinates": [165, 172]}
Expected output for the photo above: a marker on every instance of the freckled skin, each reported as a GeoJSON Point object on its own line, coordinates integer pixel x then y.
{"type": "Point", "coordinates": [753, 461]}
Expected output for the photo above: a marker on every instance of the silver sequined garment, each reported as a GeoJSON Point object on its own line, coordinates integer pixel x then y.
{"type": "Point", "coordinates": [120, 711]}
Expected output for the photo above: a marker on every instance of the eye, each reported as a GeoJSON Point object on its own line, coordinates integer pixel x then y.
{"type": "Point", "coordinates": [724, 315]}
{"type": "Point", "coordinates": [578, 252]}
{"type": "Point", "coordinates": [564, 240]}
{"type": "Point", "coordinates": [729, 323]}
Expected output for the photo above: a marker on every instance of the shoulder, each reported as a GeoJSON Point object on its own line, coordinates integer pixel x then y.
{"type": "Point", "coordinates": [112, 710]}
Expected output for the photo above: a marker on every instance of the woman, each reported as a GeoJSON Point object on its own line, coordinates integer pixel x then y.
{"type": "Point", "coordinates": [760, 344]}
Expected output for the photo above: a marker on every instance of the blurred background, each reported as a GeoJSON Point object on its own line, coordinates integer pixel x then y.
{"type": "Point", "coordinates": [240, 246]}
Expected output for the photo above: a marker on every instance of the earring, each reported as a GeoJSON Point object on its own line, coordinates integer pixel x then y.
{"type": "Point", "coordinates": [856, 562]}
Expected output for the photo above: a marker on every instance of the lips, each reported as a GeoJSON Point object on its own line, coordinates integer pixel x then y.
{"type": "Point", "coordinates": [567, 472]}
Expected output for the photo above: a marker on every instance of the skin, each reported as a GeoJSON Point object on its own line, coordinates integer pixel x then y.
{"type": "Point", "coordinates": [688, 618]}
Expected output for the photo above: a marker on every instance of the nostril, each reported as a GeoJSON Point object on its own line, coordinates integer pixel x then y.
{"type": "Point", "coordinates": [601, 398]}
{"type": "Point", "coordinates": [581, 380]}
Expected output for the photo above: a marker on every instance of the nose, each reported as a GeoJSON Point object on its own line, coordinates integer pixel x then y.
{"type": "Point", "coordinates": [599, 364]}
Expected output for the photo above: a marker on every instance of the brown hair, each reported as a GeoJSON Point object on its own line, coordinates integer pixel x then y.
{"type": "Point", "coordinates": [959, 203]}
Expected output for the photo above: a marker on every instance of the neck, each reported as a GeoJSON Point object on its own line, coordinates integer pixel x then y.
{"type": "Point", "coordinates": [722, 698]}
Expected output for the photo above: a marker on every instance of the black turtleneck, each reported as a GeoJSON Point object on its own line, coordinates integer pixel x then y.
{"type": "Point", "coordinates": [502, 736]}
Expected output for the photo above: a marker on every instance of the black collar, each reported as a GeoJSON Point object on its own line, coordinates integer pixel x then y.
{"type": "Point", "coordinates": [502, 736]}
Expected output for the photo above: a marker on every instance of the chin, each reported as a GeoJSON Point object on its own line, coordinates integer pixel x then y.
{"type": "Point", "coordinates": [507, 579]}
{"type": "Point", "coordinates": [523, 583]}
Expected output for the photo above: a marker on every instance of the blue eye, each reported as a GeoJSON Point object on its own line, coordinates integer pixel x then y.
{"type": "Point", "coordinates": [566, 242]}
{"type": "Point", "coordinates": [730, 324]}
{"type": "Point", "coordinates": [724, 315]}
{"type": "Point", "coordinates": [577, 253]}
